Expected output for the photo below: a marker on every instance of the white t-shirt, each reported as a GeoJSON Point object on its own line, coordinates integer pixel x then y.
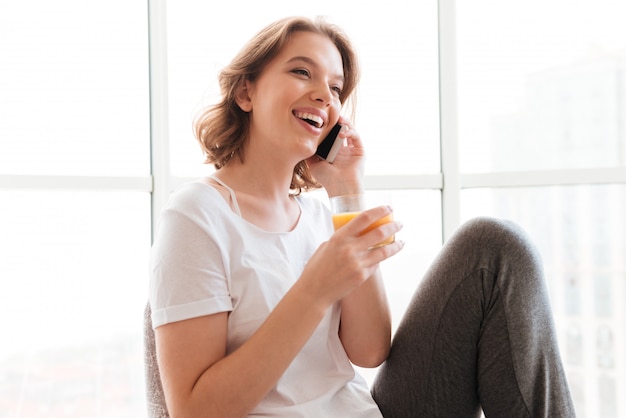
{"type": "Point", "coordinates": [207, 259]}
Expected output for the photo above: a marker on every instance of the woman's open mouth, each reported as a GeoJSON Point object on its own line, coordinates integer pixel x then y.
{"type": "Point", "coordinates": [311, 119]}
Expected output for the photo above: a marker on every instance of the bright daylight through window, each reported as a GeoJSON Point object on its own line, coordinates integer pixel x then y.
{"type": "Point", "coordinates": [538, 121]}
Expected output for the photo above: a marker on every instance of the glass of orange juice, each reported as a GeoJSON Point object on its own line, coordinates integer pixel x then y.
{"type": "Point", "coordinates": [345, 208]}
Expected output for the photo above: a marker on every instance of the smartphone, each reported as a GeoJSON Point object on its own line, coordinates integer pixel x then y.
{"type": "Point", "coordinates": [329, 147]}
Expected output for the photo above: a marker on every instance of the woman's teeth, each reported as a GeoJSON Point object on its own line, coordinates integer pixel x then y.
{"type": "Point", "coordinates": [310, 118]}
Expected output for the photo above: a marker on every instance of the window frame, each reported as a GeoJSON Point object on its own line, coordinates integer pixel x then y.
{"type": "Point", "coordinates": [450, 181]}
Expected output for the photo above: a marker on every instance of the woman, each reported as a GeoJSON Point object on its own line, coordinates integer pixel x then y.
{"type": "Point", "coordinates": [260, 309]}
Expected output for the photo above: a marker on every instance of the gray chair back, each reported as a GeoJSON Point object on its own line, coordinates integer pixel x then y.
{"type": "Point", "coordinates": [154, 390]}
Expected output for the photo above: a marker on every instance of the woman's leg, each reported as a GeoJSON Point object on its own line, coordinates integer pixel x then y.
{"type": "Point", "coordinates": [478, 333]}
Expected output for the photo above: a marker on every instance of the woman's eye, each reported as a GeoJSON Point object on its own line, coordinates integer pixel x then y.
{"type": "Point", "coordinates": [336, 89]}
{"type": "Point", "coordinates": [301, 71]}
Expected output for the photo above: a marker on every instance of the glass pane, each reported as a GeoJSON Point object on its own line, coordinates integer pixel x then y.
{"type": "Point", "coordinates": [73, 288]}
{"type": "Point", "coordinates": [74, 86]}
{"type": "Point", "coordinates": [541, 84]}
{"type": "Point", "coordinates": [397, 114]}
{"type": "Point", "coordinates": [581, 233]}
{"type": "Point", "coordinates": [420, 213]}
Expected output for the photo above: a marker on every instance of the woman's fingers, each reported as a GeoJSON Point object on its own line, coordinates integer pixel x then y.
{"type": "Point", "coordinates": [375, 223]}
{"type": "Point", "coordinates": [353, 139]}
{"type": "Point", "coordinates": [350, 257]}
{"type": "Point", "coordinates": [371, 229]}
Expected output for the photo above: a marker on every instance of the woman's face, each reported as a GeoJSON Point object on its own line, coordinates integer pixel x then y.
{"type": "Point", "coordinates": [295, 101]}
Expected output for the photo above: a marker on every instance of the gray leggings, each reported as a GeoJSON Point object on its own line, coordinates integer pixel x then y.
{"type": "Point", "coordinates": [478, 333]}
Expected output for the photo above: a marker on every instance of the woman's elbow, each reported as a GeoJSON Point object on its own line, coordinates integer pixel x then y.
{"type": "Point", "coordinates": [371, 358]}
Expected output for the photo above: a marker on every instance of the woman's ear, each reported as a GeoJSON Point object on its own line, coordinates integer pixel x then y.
{"type": "Point", "coordinates": [242, 97]}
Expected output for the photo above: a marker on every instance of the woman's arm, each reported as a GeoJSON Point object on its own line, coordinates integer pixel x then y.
{"type": "Point", "coordinates": [365, 329]}
{"type": "Point", "coordinates": [199, 380]}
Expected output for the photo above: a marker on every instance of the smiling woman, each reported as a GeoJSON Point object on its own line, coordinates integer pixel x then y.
{"type": "Point", "coordinates": [286, 310]}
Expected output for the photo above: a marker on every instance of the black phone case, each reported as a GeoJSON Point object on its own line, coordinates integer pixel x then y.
{"type": "Point", "coordinates": [330, 145]}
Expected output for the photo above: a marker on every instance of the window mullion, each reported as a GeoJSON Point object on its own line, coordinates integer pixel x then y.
{"type": "Point", "coordinates": [46, 182]}
{"type": "Point", "coordinates": [159, 108]}
{"type": "Point", "coordinates": [451, 192]}
{"type": "Point", "coordinates": [541, 178]}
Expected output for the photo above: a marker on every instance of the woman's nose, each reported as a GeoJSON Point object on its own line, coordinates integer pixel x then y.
{"type": "Point", "coordinates": [322, 94]}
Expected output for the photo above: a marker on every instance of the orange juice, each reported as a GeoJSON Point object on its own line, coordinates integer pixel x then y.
{"type": "Point", "coordinates": [340, 219]}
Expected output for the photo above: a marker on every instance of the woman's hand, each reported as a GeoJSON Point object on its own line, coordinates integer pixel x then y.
{"type": "Point", "coordinates": [347, 259]}
{"type": "Point", "coordinates": [345, 174]}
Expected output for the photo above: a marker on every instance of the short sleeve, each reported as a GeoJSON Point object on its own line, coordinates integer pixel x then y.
{"type": "Point", "coordinates": [187, 274]}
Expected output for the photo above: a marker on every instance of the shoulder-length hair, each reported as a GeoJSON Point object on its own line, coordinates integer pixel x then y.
{"type": "Point", "coordinates": [222, 129]}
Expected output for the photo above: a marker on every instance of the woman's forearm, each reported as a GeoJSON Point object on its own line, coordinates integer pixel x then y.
{"type": "Point", "coordinates": [365, 329]}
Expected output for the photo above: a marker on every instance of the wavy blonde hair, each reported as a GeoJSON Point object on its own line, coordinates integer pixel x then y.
{"type": "Point", "coordinates": [222, 129]}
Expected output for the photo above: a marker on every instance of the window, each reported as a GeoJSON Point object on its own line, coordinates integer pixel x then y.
{"type": "Point", "coordinates": [74, 207]}
{"type": "Point", "coordinates": [75, 89]}
{"type": "Point", "coordinates": [541, 131]}
{"type": "Point", "coordinates": [509, 110]}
